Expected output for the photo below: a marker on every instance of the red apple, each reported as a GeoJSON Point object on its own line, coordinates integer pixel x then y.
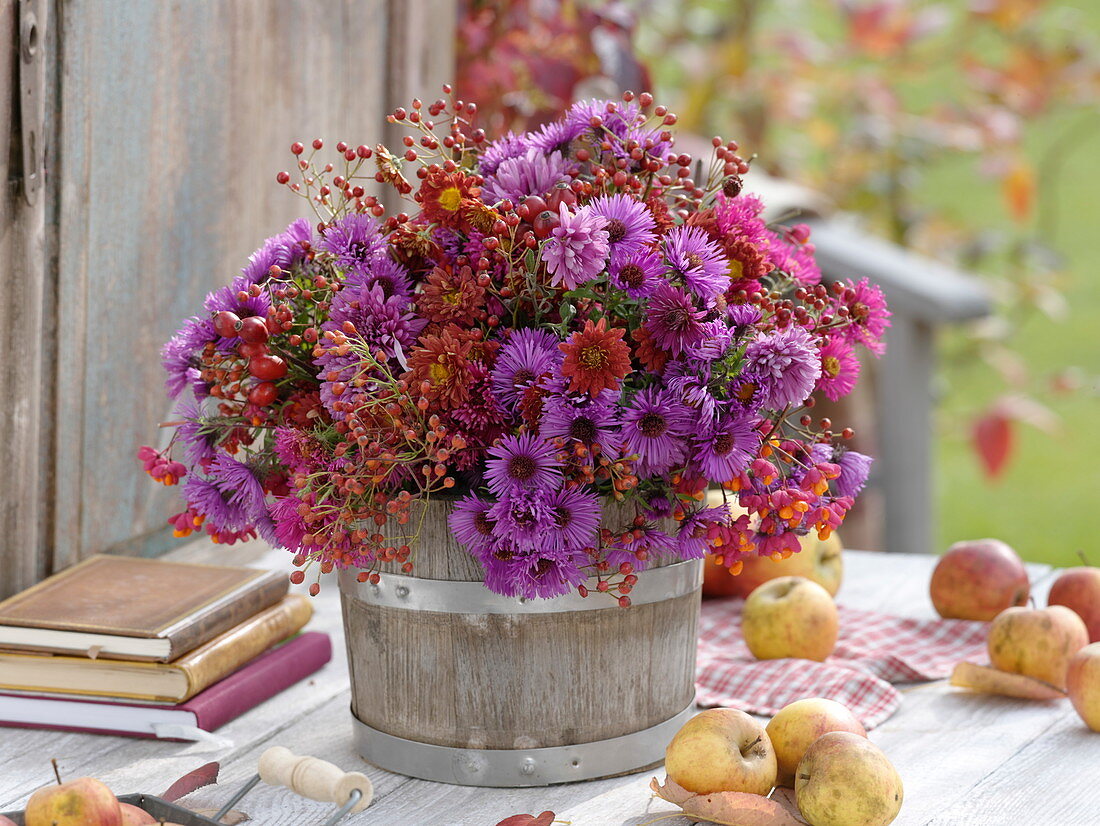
{"type": "Point", "coordinates": [7, 821]}
{"type": "Point", "coordinates": [81, 802]}
{"type": "Point", "coordinates": [1036, 643]}
{"type": "Point", "coordinates": [1079, 590]}
{"type": "Point", "coordinates": [133, 816]}
{"type": "Point", "coordinates": [978, 579]}
{"type": "Point", "coordinates": [1083, 684]}
{"type": "Point", "coordinates": [819, 561]}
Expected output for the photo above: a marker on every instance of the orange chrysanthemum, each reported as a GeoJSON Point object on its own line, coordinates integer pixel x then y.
{"type": "Point", "coordinates": [443, 196]}
{"type": "Point", "coordinates": [440, 365]}
{"type": "Point", "coordinates": [595, 358]}
{"type": "Point", "coordinates": [648, 352]}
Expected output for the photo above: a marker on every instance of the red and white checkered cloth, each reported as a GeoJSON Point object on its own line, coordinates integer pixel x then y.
{"type": "Point", "coordinates": [873, 651]}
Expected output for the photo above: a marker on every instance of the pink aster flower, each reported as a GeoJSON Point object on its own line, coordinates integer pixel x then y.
{"type": "Point", "coordinates": [577, 249]}
{"type": "Point", "coordinates": [839, 369]}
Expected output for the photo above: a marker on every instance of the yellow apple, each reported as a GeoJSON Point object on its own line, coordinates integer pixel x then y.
{"type": "Point", "coordinates": [721, 750]}
{"type": "Point", "coordinates": [1083, 684]}
{"type": "Point", "coordinates": [790, 617]}
{"type": "Point", "coordinates": [81, 802]}
{"type": "Point", "coordinates": [846, 780]}
{"type": "Point", "coordinates": [799, 724]}
{"type": "Point", "coordinates": [978, 579]}
{"type": "Point", "coordinates": [1037, 643]}
{"type": "Point", "coordinates": [133, 816]}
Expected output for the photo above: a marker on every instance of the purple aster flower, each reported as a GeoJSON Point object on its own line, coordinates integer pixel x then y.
{"type": "Point", "coordinates": [749, 389]}
{"type": "Point", "coordinates": [481, 411]}
{"type": "Point", "coordinates": [742, 316]}
{"type": "Point", "coordinates": [355, 239]}
{"type": "Point", "coordinates": [590, 421]}
{"type": "Point", "coordinates": [228, 298]}
{"type": "Point", "coordinates": [282, 250]}
{"type": "Point", "coordinates": [212, 503]}
{"type": "Point", "coordinates": [545, 576]}
{"type": "Point", "coordinates": [689, 381]}
{"type": "Point", "coordinates": [382, 271]}
{"type": "Point", "coordinates": [695, 257]}
{"type": "Point", "coordinates": [520, 518]}
{"type": "Point", "coordinates": [525, 462]}
{"type": "Point", "coordinates": [854, 469]}
{"type": "Point", "coordinates": [692, 540]}
{"type": "Point", "coordinates": [197, 439]}
{"type": "Point", "coordinates": [180, 356]}
{"type": "Point", "coordinates": [502, 149]}
{"type": "Point", "coordinates": [577, 248]}
{"type": "Point", "coordinates": [790, 357]}
{"type": "Point", "coordinates": [294, 240]}
{"type": "Point", "coordinates": [723, 448]}
{"type": "Point", "coordinates": [653, 427]}
{"type": "Point", "coordinates": [239, 483]}
{"type": "Point", "coordinates": [472, 526]}
{"type": "Point", "coordinates": [527, 356]}
{"type": "Point", "coordinates": [630, 225]}
{"type": "Point", "coordinates": [532, 173]}
{"type": "Point", "coordinates": [556, 136]}
{"type": "Point", "coordinates": [574, 519]}
{"type": "Point", "coordinates": [673, 321]}
{"type": "Point", "coordinates": [638, 273]}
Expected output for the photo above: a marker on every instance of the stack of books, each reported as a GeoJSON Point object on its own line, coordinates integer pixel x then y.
{"type": "Point", "coordinates": [151, 648]}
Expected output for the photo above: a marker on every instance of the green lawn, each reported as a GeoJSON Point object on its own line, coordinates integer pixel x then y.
{"type": "Point", "coordinates": [1045, 503]}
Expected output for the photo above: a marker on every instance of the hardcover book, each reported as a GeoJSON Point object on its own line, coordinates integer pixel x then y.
{"type": "Point", "coordinates": [163, 682]}
{"type": "Point", "coordinates": [120, 607]}
{"type": "Point", "coordinates": [261, 679]}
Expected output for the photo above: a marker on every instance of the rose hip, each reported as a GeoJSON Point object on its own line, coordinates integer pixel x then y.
{"type": "Point", "coordinates": [225, 324]}
{"type": "Point", "coordinates": [267, 367]}
{"type": "Point", "coordinates": [253, 330]}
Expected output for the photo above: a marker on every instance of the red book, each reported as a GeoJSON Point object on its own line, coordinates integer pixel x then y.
{"type": "Point", "coordinates": [208, 710]}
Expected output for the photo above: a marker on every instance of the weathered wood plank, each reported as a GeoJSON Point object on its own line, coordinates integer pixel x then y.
{"type": "Point", "coordinates": [25, 341]}
{"type": "Point", "coordinates": [167, 183]}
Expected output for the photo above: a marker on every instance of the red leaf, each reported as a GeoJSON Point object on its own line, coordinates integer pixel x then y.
{"type": "Point", "coordinates": [993, 440]}
{"type": "Point", "coordinates": [544, 819]}
{"type": "Point", "coordinates": [202, 776]}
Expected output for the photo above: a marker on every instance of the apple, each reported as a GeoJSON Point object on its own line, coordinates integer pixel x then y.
{"type": "Point", "coordinates": [799, 724]}
{"type": "Point", "coordinates": [81, 802]}
{"type": "Point", "coordinates": [820, 561]}
{"type": "Point", "coordinates": [1037, 642]}
{"type": "Point", "coordinates": [1083, 684]}
{"type": "Point", "coordinates": [1079, 590]}
{"type": "Point", "coordinates": [7, 821]}
{"type": "Point", "coordinates": [721, 750]}
{"type": "Point", "coordinates": [845, 780]}
{"type": "Point", "coordinates": [978, 579]}
{"type": "Point", "coordinates": [133, 816]}
{"type": "Point", "coordinates": [790, 617]}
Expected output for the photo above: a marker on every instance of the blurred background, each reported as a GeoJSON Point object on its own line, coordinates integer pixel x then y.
{"type": "Point", "coordinates": [945, 148]}
{"type": "Point", "coordinates": [965, 130]}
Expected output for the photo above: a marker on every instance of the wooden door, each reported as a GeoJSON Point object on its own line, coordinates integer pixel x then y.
{"type": "Point", "coordinates": [171, 121]}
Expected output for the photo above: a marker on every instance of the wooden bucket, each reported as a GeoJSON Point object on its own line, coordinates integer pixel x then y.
{"type": "Point", "coordinates": [453, 683]}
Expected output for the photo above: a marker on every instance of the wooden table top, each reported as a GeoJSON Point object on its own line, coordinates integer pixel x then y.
{"type": "Point", "coordinates": [964, 759]}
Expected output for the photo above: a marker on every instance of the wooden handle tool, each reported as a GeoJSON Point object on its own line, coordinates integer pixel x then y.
{"type": "Point", "coordinates": [314, 778]}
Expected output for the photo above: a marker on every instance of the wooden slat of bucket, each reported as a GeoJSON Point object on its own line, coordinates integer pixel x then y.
{"type": "Point", "coordinates": [516, 681]}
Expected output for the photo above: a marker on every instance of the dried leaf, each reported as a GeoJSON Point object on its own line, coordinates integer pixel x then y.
{"type": "Point", "coordinates": [543, 819]}
{"type": "Point", "coordinates": [196, 779]}
{"type": "Point", "coordinates": [994, 681]}
{"type": "Point", "coordinates": [727, 808]}
{"type": "Point", "coordinates": [230, 818]}
{"type": "Point", "coordinates": [993, 440]}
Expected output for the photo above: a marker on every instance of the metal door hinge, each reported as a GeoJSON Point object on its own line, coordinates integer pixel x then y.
{"type": "Point", "coordinates": [32, 92]}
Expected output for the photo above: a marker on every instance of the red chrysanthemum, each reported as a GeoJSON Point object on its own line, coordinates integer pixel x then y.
{"type": "Point", "coordinates": [648, 352]}
{"type": "Point", "coordinates": [443, 195]}
{"type": "Point", "coordinates": [452, 297]}
{"type": "Point", "coordinates": [596, 358]}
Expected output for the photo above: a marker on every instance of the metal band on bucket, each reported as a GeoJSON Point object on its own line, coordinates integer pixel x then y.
{"type": "Point", "coordinates": [518, 767]}
{"type": "Point", "coordinates": [454, 597]}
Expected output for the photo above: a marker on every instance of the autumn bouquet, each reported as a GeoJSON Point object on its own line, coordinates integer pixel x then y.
{"type": "Point", "coordinates": [561, 319]}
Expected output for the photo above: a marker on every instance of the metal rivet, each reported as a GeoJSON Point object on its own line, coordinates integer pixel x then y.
{"type": "Point", "coordinates": [401, 591]}
{"type": "Point", "coordinates": [528, 765]}
{"type": "Point", "coordinates": [575, 762]}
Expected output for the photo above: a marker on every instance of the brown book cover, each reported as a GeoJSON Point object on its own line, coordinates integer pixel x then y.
{"type": "Point", "coordinates": [121, 607]}
{"type": "Point", "coordinates": [161, 682]}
